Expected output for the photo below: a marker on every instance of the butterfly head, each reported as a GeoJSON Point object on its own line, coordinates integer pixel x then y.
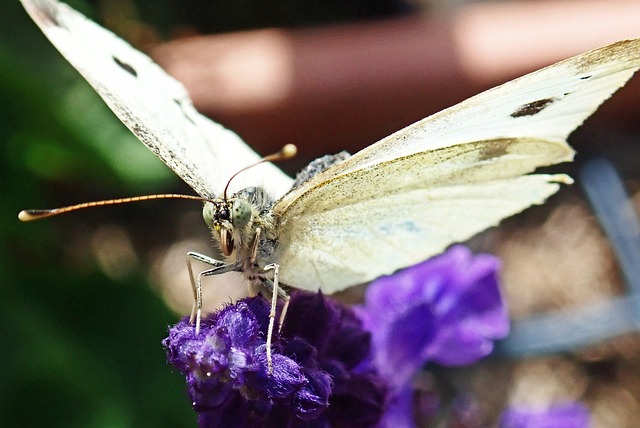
{"type": "Point", "coordinates": [227, 219]}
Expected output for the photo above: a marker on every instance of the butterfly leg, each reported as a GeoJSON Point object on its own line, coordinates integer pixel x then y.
{"type": "Point", "coordinates": [285, 298]}
{"type": "Point", "coordinates": [285, 307]}
{"type": "Point", "coordinates": [274, 289]}
{"type": "Point", "coordinates": [272, 313]}
{"type": "Point", "coordinates": [254, 245]}
{"type": "Point", "coordinates": [219, 267]}
{"type": "Point", "coordinates": [254, 252]}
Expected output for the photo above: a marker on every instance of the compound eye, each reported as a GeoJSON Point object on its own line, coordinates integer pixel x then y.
{"type": "Point", "coordinates": [240, 214]}
{"type": "Point", "coordinates": [226, 242]}
{"type": "Point", "coordinates": [207, 213]}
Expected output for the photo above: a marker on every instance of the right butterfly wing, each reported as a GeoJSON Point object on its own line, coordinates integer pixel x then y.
{"type": "Point", "coordinates": [547, 104]}
{"type": "Point", "coordinates": [354, 244]}
{"type": "Point", "coordinates": [444, 178]}
{"type": "Point", "coordinates": [356, 227]}
{"type": "Point", "coordinates": [153, 105]}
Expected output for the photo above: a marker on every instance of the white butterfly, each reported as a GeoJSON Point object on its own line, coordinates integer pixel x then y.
{"type": "Point", "coordinates": [397, 202]}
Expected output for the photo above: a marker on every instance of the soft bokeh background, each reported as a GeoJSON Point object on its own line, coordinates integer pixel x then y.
{"type": "Point", "coordinates": [85, 298]}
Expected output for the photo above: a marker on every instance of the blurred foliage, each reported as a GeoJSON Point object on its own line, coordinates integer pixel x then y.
{"type": "Point", "coordinates": [80, 348]}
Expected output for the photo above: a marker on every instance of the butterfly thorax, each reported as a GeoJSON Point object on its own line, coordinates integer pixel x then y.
{"type": "Point", "coordinates": [243, 226]}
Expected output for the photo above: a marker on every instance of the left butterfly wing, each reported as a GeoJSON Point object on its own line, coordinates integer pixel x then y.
{"type": "Point", "coordinates": [153, 105]}
{"type": "Point", "coordinates": [444, 178]}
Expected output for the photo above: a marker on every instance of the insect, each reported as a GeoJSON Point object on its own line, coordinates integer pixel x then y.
{"type": "Point", "coordinates": [351, 219]}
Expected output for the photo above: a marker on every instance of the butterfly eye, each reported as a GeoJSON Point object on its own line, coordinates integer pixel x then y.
{"type": "Point", "coordinates": [207, 213]}
{"type": "Point", "coordinates": [241, 213]}
{"type": "Point", "coordinates": [226, 242]}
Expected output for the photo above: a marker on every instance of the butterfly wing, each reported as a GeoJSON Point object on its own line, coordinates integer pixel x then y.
{"type": "Point", "coordinates": [444, 178]}
{"type": "Point", "coordinates": [153, 105]}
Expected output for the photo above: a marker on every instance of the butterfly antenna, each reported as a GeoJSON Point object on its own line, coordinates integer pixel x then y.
{"type": "Point", "coordinates": [286, 152]}
{"type": "Point", "coordinates": [30, 215]}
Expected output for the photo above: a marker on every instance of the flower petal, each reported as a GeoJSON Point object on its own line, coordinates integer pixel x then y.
{"type": "Point", "coordinates": [568, 415]}
{"type": "Point", "coordinates": [446, 310]}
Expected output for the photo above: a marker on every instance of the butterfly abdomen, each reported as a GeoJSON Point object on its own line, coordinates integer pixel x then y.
{"type": "Point", "coordinates": [317, 166]}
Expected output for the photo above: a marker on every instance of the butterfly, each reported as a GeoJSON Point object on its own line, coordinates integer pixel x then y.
{"type": "Point", "coordinates": [348, 220]}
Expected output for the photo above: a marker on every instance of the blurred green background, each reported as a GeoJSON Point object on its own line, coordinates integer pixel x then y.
{"type": "Point", "coordinates": [81, 343]}
{"type": "Point", "coordinates": [79, 348]}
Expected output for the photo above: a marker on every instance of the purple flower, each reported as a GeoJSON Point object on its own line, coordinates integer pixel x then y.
{"type": "Point", "coordinates": [320, 372]}
{"type": "Point", "coordinates": [339, 368]}
{"type": "Point", "coordinates": [447, 310]}
{"type": "Point", "coordinates": [569, 415]}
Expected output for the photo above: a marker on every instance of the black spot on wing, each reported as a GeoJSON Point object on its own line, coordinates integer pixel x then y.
{"type": "Point", "coordinates": [46, 13]}
{"type": "Point", "coordinates": [533, 108]}
{"type": "Point", "coordinates": [126, 67]}
{"type": "Point", "coordinates": [184, 112]}
{"type": "Point", "coordinates": [585, 77]}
